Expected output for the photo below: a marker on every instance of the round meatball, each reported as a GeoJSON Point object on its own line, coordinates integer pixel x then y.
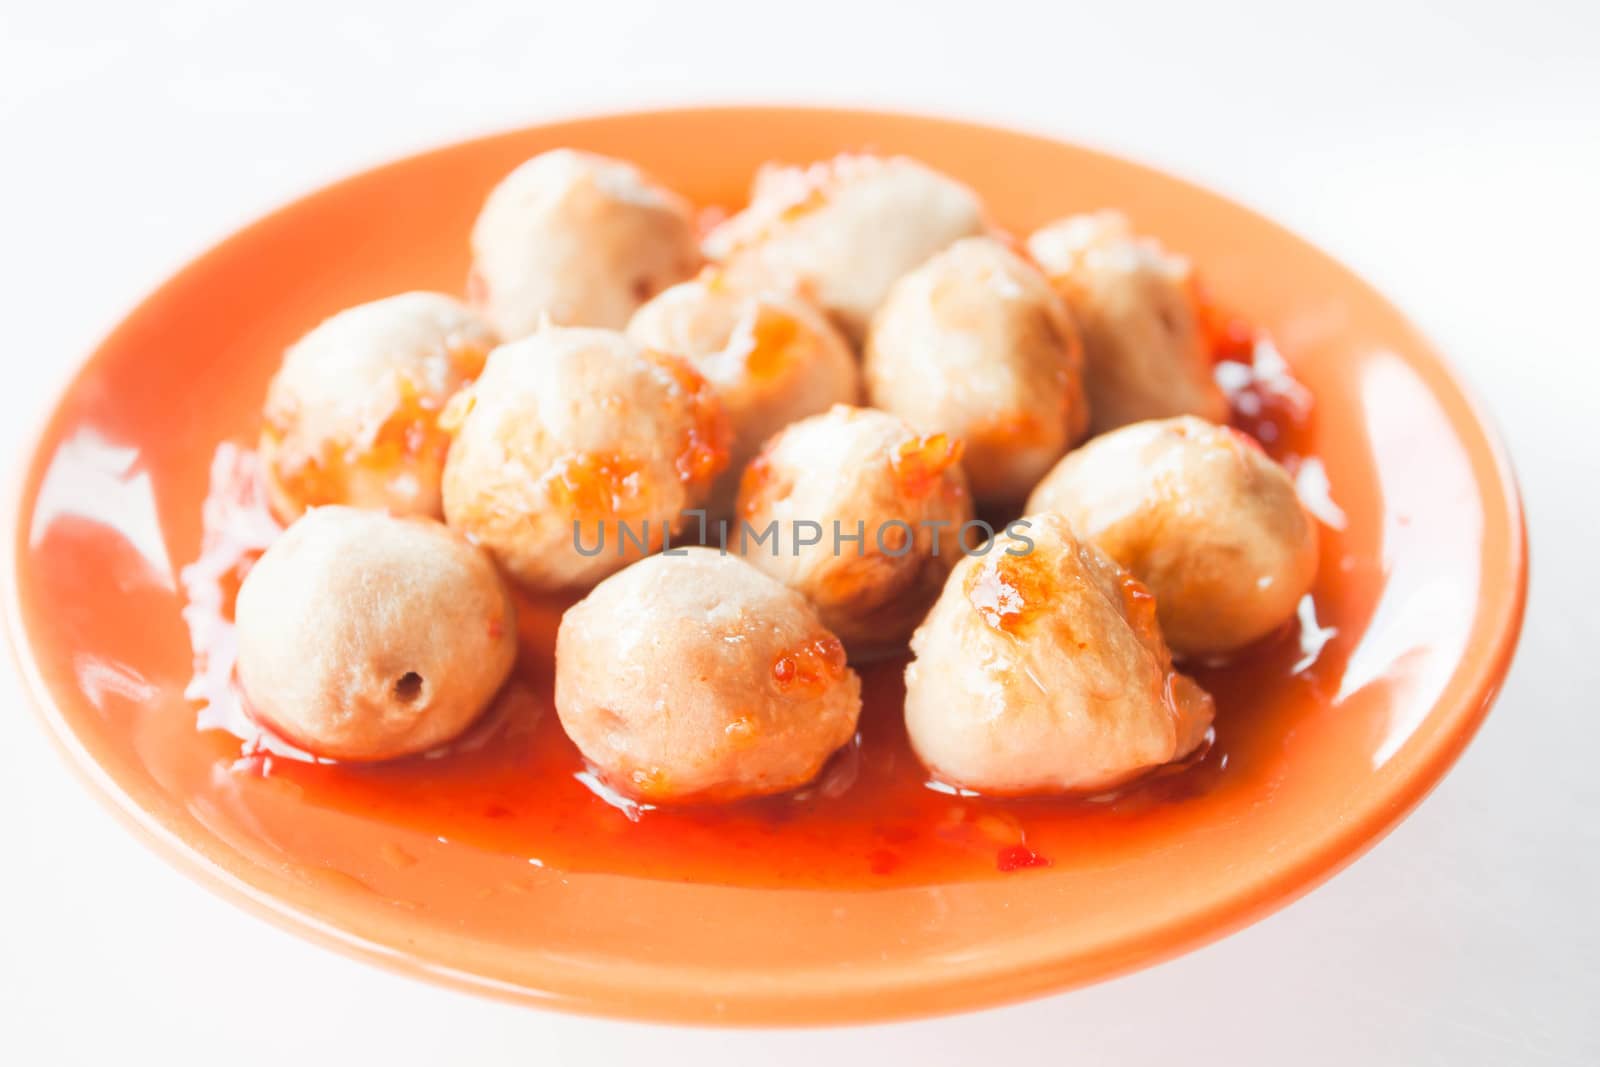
{"type": "Point", "coordinates": [1201, 515]}
{"type": "Point", "coordinates": [351, 416]}
{"type": "Point", "coordinates": [579, 239]}
{"type": "Point", "coordinates": [770, 358]}
{"type": "Point", "coordinates": [1041, 669]}
{"type": "Point", "coordinates": [578, 450]}
{"type": "Point", "coordinates": [695, 677]}
{"type": "Point", "coordinates": [1145, 350]}
{"type": "Point", "coordinates": [363, 636]}
{"type": "Point", "coordinates": [843, 230]}
{"type": "Point", "coordinates": [975, 343]}
{"type": "Point", "coordinates": [899, 498]}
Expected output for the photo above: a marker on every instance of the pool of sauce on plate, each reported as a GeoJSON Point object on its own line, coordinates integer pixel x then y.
{"type": "Point", "coordinates": [515, 786]}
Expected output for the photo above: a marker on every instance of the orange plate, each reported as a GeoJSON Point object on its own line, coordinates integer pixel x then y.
{"type": "Point", "coordinates": [1425, 584]}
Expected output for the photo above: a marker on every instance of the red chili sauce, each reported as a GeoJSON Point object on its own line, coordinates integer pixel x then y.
{"type": "Point", "coordinates": [516, 785]}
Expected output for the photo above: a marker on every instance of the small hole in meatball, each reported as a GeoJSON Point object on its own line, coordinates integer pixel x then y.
{"type": "Point", "coordinates": [408, 687]}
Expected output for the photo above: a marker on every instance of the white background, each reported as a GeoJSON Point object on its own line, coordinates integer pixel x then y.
{"type": "Point", "coordinates": [1450, 152]}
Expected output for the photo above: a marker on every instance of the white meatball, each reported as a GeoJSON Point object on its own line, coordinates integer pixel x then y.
{"type": "Point", "coordinates": [576, 450]}
{"type": "Point", "coordinates": [1146, 354]}
{"type": "Point", "coordinates": [1041, 669]}
{"type": "Point", "coordinates": [770, 358]}
{"type": "Point", "coordinates": [843, 230]}
{"type": "Point", "coordinates": [363, 636]}
{"type": "Point", "coordinates": [579, 239]}
{"type": "Point", "coordinates": [1201, 515]}
{"type": "Point", "coordinates": [697, 677]}
{"type": "Point", "coordinates": [351, 416]}
{"type": "Point", "coordinates": [975, 343]}
{"type": "Point", "coordinates": [866, 475]}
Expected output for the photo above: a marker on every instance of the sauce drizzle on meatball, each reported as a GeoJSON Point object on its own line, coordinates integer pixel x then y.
{"type": "Point", "coordinates": [815, 665]}
{"type": "Point", "coordinates": [704, 451]}
{"type": "Point", "coordinates": [595, 486]}
{"type": "Point", "coordinates": [920, 463]}
{"type": "Point", "coordinates": [1010, 592]}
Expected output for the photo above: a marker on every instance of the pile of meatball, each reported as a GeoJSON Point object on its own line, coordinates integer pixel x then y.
{"type": "Point", "coordinates": [860, 346]}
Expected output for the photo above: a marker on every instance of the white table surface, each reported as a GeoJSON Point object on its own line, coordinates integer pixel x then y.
{"type": "Point", "coordinates": [1450, 155]}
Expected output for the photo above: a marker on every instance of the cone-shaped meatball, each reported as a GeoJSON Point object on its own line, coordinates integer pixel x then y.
{"type": "Point", "coordinates": [364, 637]}
{"type": "Point", "coordinates": [579, 239]}
{"type": "Point", "coordinates": [1144, 346]}
{"type": "Point", "coordinates": [976, 344]}
{"type": "Point", "coordinates": [698, 678]}
{"type": "Point", "coordinates": [841, 231]}
{"type": "Point", "coordinates": [351, 416]}
{"type": "Point", "coordinates": [578, 450]}
{"type": "Point", "coordinates": [770, 358]}
{"type": "Point", "coordinates": [1201, 515]}
{"type": "Point", "coordinates": [866, 519]}
{"type": "Point", "coordinates": [1041, 669]}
